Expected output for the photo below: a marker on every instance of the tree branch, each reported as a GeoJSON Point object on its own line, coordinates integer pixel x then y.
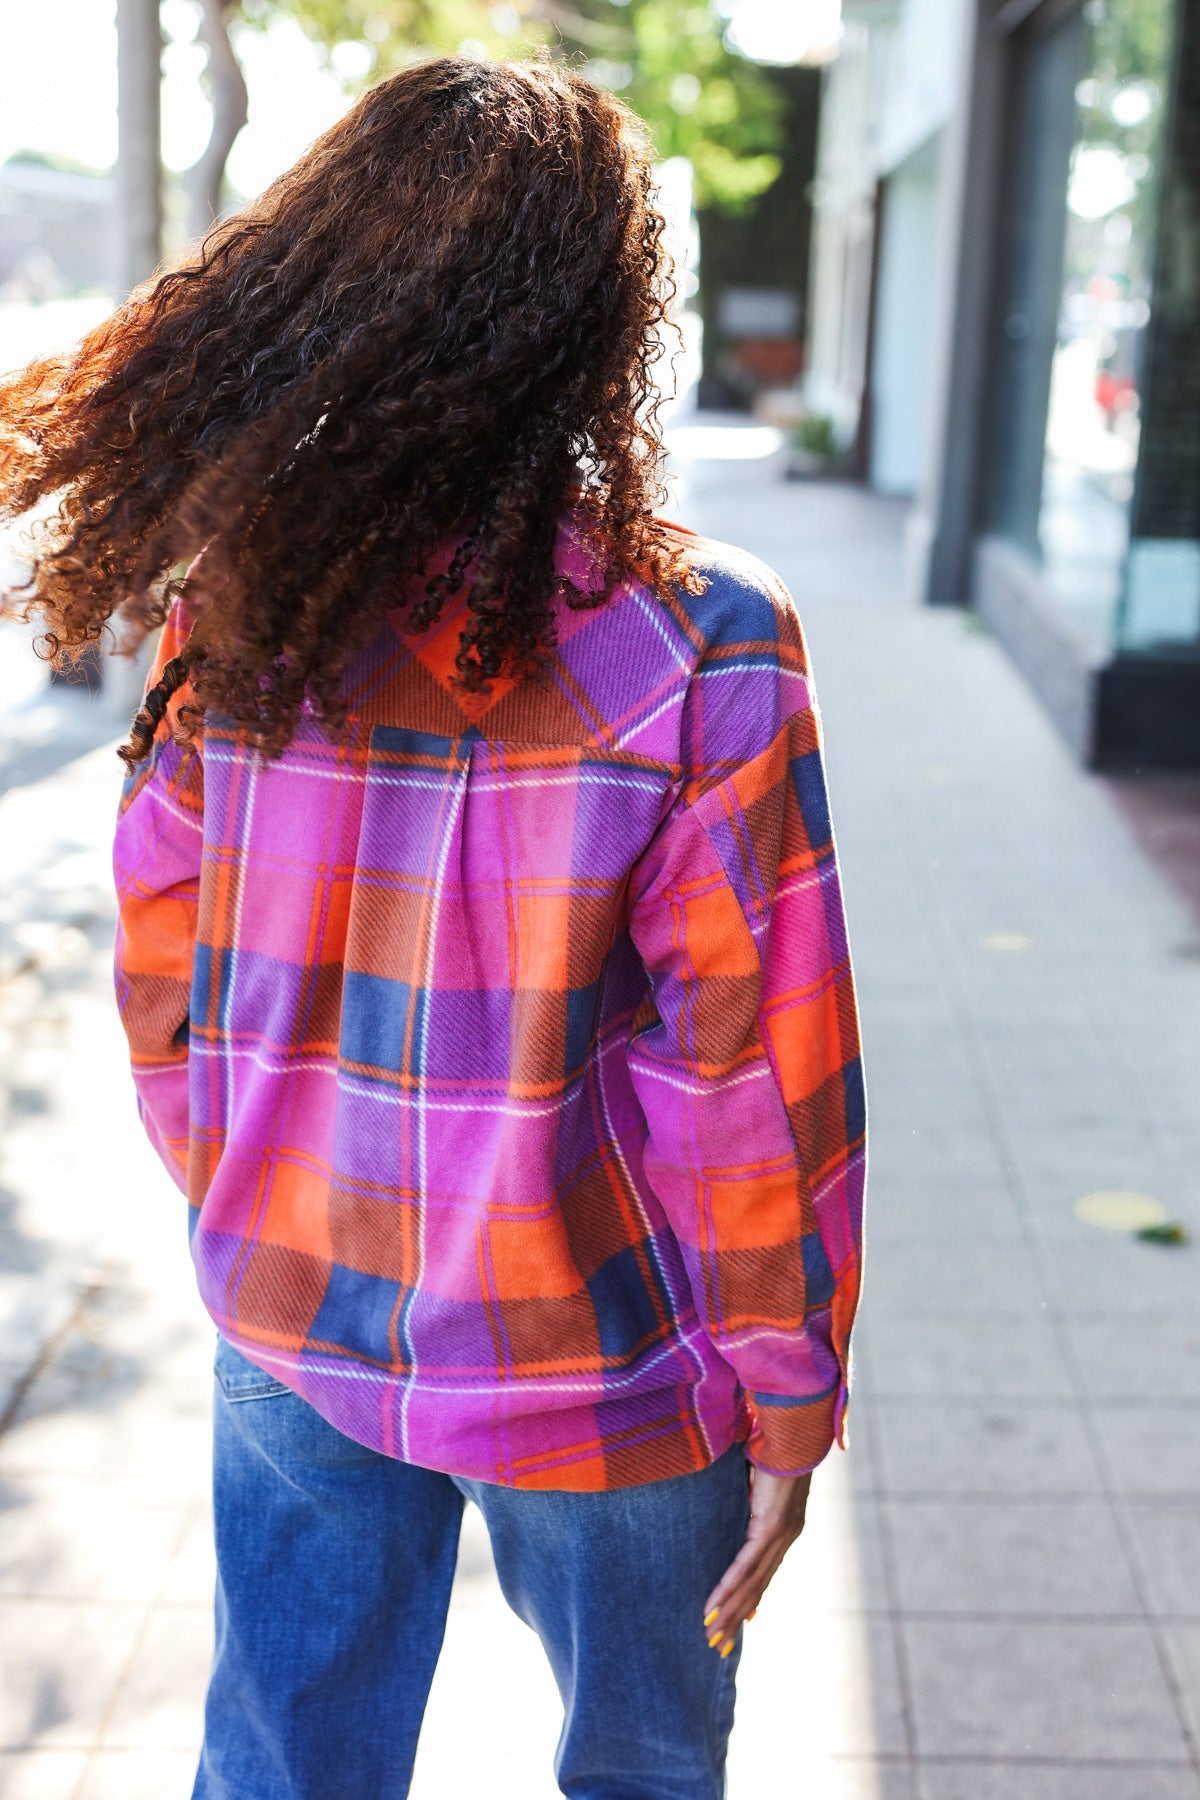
{"type": "Point", "coordinates": [617, 39]}
{"type": "Point", "coordinates": [230, 109]}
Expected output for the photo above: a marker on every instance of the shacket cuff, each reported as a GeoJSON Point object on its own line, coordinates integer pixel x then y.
{"type": "Point", "coordinates": [790, 1435]}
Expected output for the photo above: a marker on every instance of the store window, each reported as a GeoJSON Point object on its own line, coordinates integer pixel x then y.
{"type": "Point", "coordinates": [1076, 324]}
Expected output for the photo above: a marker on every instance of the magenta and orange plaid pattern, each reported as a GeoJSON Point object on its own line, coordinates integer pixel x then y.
{"type": "Point", "coordinates": [507, 1046]}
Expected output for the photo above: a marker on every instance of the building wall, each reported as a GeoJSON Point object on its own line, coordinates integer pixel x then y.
{"type": "Point", "coordinates": [903, 347]}
{"type": "Point", "coordinates": [843, 234]}
{"type": "Point", "coordinates": [885, 99]}
{"type": "Point", "coordinates": [919, 78]}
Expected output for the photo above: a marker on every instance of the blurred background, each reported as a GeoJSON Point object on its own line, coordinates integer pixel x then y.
{"type": "Point", "coordinates": [938, 362]}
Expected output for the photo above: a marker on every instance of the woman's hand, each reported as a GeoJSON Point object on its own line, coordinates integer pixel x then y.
{"type": "Point", "coordinates": [777, 1508]}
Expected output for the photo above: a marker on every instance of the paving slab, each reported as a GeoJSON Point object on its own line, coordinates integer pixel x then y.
{"type": "Point", "coordinates": [977, 1206]}
{"type": "Point", "coordinates": [1166, 1538]}
{"type": "Point", "coordinates": [1021, 1779]}
{"type": "Point", "coordinates": [839, 1564]}
{"type": "Point", "coordinates": [159, 1703]}
{"type": "Point", "coordinates": [192, 1573]}
{"type": "Point", "coordinates": [122, 1555]}
{"type": "Point", "coordinates": [1118, 1273]}
{"type": "Point", "coordinates": [1123, 1153]}
{"type": "Point", "coordinates": [1151, 1446]}
{"type": "Point", "coordinates": [138, 1775]}
{"type": "Point", "coordinates": [60, 1665]}
{"type": "Point", "coordinates": [41, 1774]}
{"type": "Point", "coordinates": [34, 1304]}
{"type": "Point", "coordinates": [13, 1372]}
{"type": "Point", "coordinates": [844, 1692]}
{"type": "Point", "coordinates": [1136, 1356]}
{"type": "Point", "coordinates": [825, 1778]}
{"type": "Point", "coordinates": [954, 1447]}
{"type": "Point", "coordinates": [954, 1271]}
{"type": "Point", "coordinates": [94, 1416]}
{"type": "Point", "coordinates": [515, 1712]}
{"type": "Point", "coordinates": [1000, 1354]}
{"type": "Point", "coordinates": [1183, 1653]}
{"type": "Point", "coordinates": [1088, 1690]}
{"type": "Point", "coordinates": [1040, 1556]}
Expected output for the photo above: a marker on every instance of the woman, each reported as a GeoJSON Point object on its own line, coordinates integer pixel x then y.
{"type": "Point", "coordinates": [481, 947]}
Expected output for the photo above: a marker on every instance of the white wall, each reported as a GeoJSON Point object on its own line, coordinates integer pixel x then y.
{"type": "Point", "coordinates": [888, 93]}
{"type": "Point", "coordinates": [843, 201]}
{"type": "Point", "coordinates": [917, 82]}
{"type": "Point", "coordinates": [903, 359]}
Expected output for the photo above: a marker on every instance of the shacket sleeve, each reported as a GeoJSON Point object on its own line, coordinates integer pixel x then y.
{"type": "Point", "coordinates": [156, 868]}
{"type": "Point", "coordinates": [750, 1076]}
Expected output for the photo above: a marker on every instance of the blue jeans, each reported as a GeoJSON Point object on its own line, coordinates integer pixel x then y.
{"type": "Point", "coordinates": [334, 1572]}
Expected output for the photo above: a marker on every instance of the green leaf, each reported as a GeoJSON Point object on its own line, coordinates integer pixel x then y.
{"type": "Point", "coordinates": [1171, 1231]}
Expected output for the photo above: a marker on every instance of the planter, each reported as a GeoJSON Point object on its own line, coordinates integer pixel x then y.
{"type": "Point", "coordinates": [807, 465]}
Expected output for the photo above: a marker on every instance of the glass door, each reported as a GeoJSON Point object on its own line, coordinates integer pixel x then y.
{"type": "Point", "coordinates": [1077, 298]}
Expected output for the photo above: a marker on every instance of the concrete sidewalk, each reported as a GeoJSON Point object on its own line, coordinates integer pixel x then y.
{"type": "Point", "coordinates": [997, 1595]}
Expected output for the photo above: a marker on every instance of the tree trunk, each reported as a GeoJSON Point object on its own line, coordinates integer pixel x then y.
{"type": "Point", "coordinates": [139, 159]}
{"type": "Point", "coordinates": [230, 109]}
{"type": "Point", "coordinates": [138, 234]}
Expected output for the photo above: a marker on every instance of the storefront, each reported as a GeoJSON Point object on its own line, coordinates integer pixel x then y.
{"type": "Point", "coordinates": [1062, 491]}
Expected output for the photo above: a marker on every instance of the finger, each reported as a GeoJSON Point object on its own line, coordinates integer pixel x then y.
{"type": "Point", "coordinates": [743, 1563]}
{"type": "Point", "coordinates": [759, 1541]}
{"type": "Point", "coordinates": [722, 1635]}
{"type": "Point", "coordinates": [742, 1602]}
{"type": "Point", "coordinates": [725, 1617]}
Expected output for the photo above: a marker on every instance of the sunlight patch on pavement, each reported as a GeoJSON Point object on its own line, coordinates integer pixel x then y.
{"type": "Point", "coordinates": [1115, 1210]}
{"type": "Point", "coordinates": [516, 1712]}
{"type": "Point", "coordinates": [724, 443]}
{"type": "Point", "coordinates": [1006, 942]}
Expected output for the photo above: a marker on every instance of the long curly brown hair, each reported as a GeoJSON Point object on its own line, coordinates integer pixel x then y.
{"type": "Point", "coordinates": [438, 327]}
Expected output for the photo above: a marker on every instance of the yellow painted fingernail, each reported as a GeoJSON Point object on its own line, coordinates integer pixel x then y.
{"type": "Point", "coordinates": [713, 1616]}
{"type": "Point", "coordinates": [715, 1639]}
{"type": "Point", "coordinates": [728, 1648]}
{"type": "Point", "coordinates": [752, 1615]}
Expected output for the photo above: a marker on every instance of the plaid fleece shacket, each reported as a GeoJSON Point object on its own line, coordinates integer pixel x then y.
{"type": "Point", "coordinates": [507, 1046]}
